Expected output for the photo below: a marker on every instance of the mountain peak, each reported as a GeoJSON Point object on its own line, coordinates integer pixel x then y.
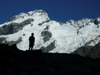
{"type": "Point", "coordinates": [30, 14]}
{"type": "Point", "coordinates": [51, 36]}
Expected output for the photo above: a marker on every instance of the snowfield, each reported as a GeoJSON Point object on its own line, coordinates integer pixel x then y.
{"type": "Point", "coordinates": [67, 37]}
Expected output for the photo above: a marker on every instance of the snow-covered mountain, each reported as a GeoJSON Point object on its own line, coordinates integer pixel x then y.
{"type": "Point", "coordinates": [50, 36]}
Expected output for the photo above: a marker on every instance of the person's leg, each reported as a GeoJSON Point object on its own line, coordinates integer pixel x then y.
{"type": "Point", "coordinates": [31, 48]}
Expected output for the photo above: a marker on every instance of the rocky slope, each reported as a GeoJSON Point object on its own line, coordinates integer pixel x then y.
{"type": "Point", "coordinates": [18, 62]}
{"type": "Point", "coordinates": [89, 51]}
{"type": "Point", "coordinates": [51, 36]}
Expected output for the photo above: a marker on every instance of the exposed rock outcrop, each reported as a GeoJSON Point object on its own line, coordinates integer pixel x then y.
{"type": "Point", "coordinates": [89, 51]}
{"type": "Point", "coordinates": [14, 27]}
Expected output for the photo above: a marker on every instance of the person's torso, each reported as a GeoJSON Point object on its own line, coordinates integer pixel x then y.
{"type": "Point", "coordinates": [31, 39]}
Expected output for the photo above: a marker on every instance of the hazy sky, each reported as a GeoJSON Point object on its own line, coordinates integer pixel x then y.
{"type": "Point", "coordinates": [58, 10]}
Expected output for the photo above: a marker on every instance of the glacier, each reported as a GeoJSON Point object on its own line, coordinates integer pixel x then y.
{"type": "Point", "coordinates": [50, 36]}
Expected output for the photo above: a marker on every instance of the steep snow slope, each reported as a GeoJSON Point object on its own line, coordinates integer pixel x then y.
{"type": "Point", "coordinates": [51, 36]}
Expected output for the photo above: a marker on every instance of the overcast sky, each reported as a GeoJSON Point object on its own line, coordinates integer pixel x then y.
{"type": "Point", "coordinates": [58, 10]}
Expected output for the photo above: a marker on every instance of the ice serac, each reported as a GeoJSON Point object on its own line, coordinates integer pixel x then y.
{"type": "Point", "coordinates": [50, 36]}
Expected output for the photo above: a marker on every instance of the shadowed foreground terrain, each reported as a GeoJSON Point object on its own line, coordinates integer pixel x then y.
{"type": "Point", "coordinates": [16, 62]}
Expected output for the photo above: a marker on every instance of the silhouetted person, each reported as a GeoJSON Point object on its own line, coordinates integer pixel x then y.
{"type": "Point", "coordinates": [31, 41]}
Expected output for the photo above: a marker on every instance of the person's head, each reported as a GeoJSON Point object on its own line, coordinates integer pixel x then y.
{"type": "Point", "coordinates": [32, 34]}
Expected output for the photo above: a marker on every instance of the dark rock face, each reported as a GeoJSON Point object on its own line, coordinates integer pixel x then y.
{"type": "Point", "coordinates": [96, 22]}
{"type": "Point", "coordinates": [13, 42]}
{"type": "Point", "coordinates": [89, 51]}
{"type": "Point", "coordinates": [2, 39]}
{"type": "Point", "coordinates": [46, 35]}
{"type": "Point", "coordinates": [14, 27]}
{"type": "Point", "coordinates": [40, 24]}
{"type": "Point", "coordinates": [95, 53]}
{"type": "Point", "coordinates": [94, 41]}
{"type": "Point", "coordinates": [83, 51]}
{"type": "Point", "coordinates": [12, 19]}
{"type": "Point", "coordinates": [48, 48]}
